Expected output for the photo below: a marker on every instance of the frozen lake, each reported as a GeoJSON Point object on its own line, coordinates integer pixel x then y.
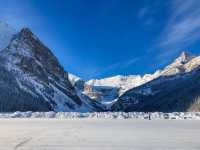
{"type": "Point", "coordinates": [99, 134]}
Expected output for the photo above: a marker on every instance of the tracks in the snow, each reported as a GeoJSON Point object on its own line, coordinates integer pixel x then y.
{"type": "Point", "coordinates": [22, 143]}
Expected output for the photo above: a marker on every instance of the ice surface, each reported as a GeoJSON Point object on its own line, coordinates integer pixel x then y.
{"type": "Point", "coordinates": [99, 134]}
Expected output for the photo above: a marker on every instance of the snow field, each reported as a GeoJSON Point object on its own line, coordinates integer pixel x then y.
{"type": "Point", "coordinates": [98, 134]}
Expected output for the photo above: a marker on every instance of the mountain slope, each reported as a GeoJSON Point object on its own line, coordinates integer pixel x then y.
{"type": "Point", "coordinates": [177, 89]}
{"type": "Point", "coordinates": [34, 80]}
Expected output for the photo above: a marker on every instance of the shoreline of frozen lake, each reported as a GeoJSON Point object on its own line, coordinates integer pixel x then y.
{"type": "Point", "coordinates": [98, 134]}
{"type": "Point", "coordinates": [104, 115]}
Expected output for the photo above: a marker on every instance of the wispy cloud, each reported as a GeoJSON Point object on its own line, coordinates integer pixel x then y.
{"type": "Point", "coordinates": [118, 65]}
{"type": "Point", "coordinates": [143, 12]}
{"type": "Point", "coordinates": [146, 14]}
{"type": "Point", "coordinates": [182, 28]}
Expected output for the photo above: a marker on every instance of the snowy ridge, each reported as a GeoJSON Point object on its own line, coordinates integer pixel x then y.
{"type": "Point", "coordinates": [124, 83]}
{"type": "Point", "coordinates": [184, 63]}
{"type": "Point", "coordinates": [73, 78]}
{"type": "Point", "coordinates": [104, 115]}
{"type": "Point", "coordinates": [179, 65]}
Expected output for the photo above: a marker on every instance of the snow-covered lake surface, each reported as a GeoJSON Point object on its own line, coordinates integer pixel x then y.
{"type": "Point", "coordinates": [99, 134]}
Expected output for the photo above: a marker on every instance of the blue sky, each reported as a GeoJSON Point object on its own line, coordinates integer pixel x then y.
{"type": "Point", "coordinates": [101, 38]}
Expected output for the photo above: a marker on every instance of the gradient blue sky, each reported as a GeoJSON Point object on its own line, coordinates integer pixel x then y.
{"type": "Point", "coordinates": [101, 38]}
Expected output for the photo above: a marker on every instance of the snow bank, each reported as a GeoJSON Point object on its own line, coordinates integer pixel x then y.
{"type": "Point", "coordinates": [104, 115]}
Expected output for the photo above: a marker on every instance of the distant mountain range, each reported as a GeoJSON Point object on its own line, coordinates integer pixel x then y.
{"type": "Point", "coordinates": [175, 88]}
{"type": "Point", "coordinates": [32, 79]}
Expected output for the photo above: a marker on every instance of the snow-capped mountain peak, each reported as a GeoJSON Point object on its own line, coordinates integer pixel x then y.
{"type": "Point", "coordinates": [34, 74]}
{"type": "Point", "coordinates": [124, 83]}
{"type": "Point", "coordinates": [179, 65]}
{"type": "Point", "coordinates": [184, 58]}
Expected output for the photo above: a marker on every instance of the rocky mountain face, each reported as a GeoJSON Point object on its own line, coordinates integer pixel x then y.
{"type": "Point", "coordinates": [105, 95]}
{"type": "Point", "coordinates": [32, 79]}
{"type": "Point", "coordinates": [176, 89]}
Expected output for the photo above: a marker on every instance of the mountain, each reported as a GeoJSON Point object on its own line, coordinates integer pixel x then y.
{"type": "Point", "coordinates": [31, 78]}
{"type": "Point", "coordinates": [125, 83]}
{"type": "Point", "coordinates": [176, 89]}
{"type": "Point", "coordinates": [107, 90]}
